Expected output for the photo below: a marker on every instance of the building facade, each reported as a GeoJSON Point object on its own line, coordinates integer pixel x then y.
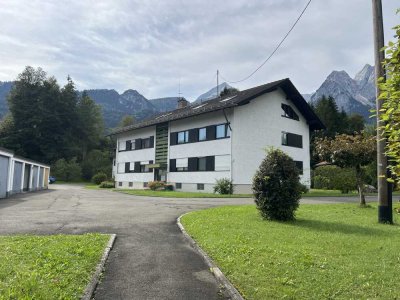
{"type": "Point", "coordinates": [19, 174]}
{"type": "Point", "coordinates": [197, 144]}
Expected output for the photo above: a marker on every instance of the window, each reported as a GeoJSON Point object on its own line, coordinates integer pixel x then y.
{"type": "Point", "coordinates": [222, 163]}
{"type": "Point", "coordinates": [133, 144]}
{"type": "Point", "coordinates": [222, 131]}
{"type": "Point", "coordinates": [130, 184]}
{"type": "Point", "coordinates": [299, 165]}
{"type": "Point", "coordinates": [145, 184]}
{"type": "Point", "coordinates": [146, 143]}
{"type": "Point", "coordinates": [114, 162]}
{"type": "Point", "coordinates": [288, 112]}
{"type": "Point", "coordinates": [120, 183]}
{"type": "Point", "coordinates": [178, 186]}
{"type": "Point", "coordinates": [202, 164]}
{"type": "Point", "coordinates": [121, 168]}
{"type": "Point", "coordinates": [202, 134]}
{"type": "Point", "coordinates": [292, 140]}
{"type": "Point", "coordinates": [132, 167]}
{"type": "Point", "coordinates": [122, 146]}
{"type": "Point", "coordinates": [144, 167]}
{"type": "Point", "coordinates": [183, 137]}
{"type": "Point", "coordinates": [181, 164]}
{"type": "Point", "coordinates": [200, 186]}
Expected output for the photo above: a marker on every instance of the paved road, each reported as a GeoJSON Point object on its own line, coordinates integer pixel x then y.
{"type": "Point", "coordinates": [150, 260]}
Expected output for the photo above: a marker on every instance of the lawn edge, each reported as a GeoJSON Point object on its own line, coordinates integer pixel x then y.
{"type": "Point", "coordinates": [91, 287]}
{"type": "Point", "coordinates": [221, 278]}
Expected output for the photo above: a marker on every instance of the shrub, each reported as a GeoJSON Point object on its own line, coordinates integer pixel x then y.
{"type": "Point", "coordinates": [156, 185]}
{"type": "Point", "coordinates": [334, 178]}
{"type": "Point", "coordinates": [169, 187]}
{"type": "Point", "coordinates": [223, 186]}
{"type": "Point", "coordinates": [107, 184]}
{"type": "Point", "coordinates": [303, 189]}
{"type": "Point", "coordinates": [66, 170]}
{"type": "Point", "coordinates": [276, 187]}
{"type": "Point", "coordinates": [99, 178]}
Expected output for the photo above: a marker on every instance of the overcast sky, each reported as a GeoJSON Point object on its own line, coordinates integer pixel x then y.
{"type": "Point", "coordinates": [151, 45]}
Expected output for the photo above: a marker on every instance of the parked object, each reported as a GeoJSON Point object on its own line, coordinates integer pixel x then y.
{"type": "Point", "coordinates": [18, 174]}
{"type": "Point", "coordinates": [52, 179]}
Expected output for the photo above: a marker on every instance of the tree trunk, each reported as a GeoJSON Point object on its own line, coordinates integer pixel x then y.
{"type": "Point", "coordinates": [360, 186]}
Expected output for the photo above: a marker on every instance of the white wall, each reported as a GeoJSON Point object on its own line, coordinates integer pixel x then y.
{"type": "Point", "coordinates": [259, 125]}
{"type": "Point", "coordinates": [199, 149]}
{"type": "Point", "coordinates": [135, 155]}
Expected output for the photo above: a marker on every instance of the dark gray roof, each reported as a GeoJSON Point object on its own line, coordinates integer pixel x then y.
{"type": "Point", "coordinates": [241, 98]}
{"type": "Point", "coordinates": [23, 158]}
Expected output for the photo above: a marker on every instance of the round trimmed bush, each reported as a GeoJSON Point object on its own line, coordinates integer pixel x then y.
{"type": "Point", "coordinates": [99, 178]}
{"type": "Point", "coordinates": [276, 187]}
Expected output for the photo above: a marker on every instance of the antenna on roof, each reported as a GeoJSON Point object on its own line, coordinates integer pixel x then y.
{"type": "Point", "coordinates": [217, 84]}
{"type": "Point", "coordinates": [179, 90]}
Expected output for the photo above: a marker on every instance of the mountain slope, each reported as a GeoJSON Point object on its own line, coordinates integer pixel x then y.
{"type": "Point", "coordinates": [354, 95]}
{"type": "Point", "coordinates": [165, 104]}
{"type": "Point", "coordinates": [5, 88]}
{"type": "Point", "coordinates": [212, 93]}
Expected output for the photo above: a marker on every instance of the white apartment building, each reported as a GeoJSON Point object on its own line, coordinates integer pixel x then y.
{"type": "Point", "coordinates": [194, 145]}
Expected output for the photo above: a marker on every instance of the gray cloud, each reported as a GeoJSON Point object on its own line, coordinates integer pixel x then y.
{"type": "Point", "coordinates": [151, 45]}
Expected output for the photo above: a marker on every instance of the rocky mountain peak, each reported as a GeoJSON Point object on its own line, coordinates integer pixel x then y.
{"type": "Point", "coordinates": [366, 74]}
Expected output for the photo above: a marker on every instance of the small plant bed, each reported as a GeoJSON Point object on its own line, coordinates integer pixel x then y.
{"type": "Point", "coordinates": [332, 251]}
{"type": "Point", "coordinates": [48, 267]}
{"type": "Point", "coordinates": [175, 194]}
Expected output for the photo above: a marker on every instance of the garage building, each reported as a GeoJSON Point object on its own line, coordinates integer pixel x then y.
{"type": "Point", "coordinates": [18, 174]}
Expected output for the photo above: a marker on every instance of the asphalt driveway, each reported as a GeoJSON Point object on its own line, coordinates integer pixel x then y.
{"type": "Point", "coordinates": [150, 259]}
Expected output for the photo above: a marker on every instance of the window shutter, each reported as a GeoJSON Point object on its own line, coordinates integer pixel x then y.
{"type": "Point", "coordinates": [128, 145]}
{"type": "Point", "coordinates": [192, 164]}
{"type": "Point", "coordinates": [210, 132]}
{"type": "Point", "coordinates": [138, 144]}
{"type": "Point", "coordinates": [137, 167]}
{"type": "Point", "coordinates": [193, 135]}
{"type": "Point", "coordinates": [210, 163]}
{"type": "Point", "coordinates": [294, 140]}
{"type": "Point", "coordinates": [172, 165]}
{"type": "Point", "coordinates": [152, 141]}
{"type": "Point", "coordinates": [173, 138]}
{"type": "Point", "coordinates": [127, 167]}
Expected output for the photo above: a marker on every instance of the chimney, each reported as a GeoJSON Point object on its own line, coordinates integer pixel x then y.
{"type": "Point", "coordinates": [182, 103]}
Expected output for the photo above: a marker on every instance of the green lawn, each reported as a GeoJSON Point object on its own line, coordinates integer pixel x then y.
{"type": "Point", "coordinates": [333, 251]}
{"type": "Point", "coordinates": [48, 267]}
{"type": "Point", "coordinates": [328, 193]}
{"type": "Point", "coordinates": [175, 194]}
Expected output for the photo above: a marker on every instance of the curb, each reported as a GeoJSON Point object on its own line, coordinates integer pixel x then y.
{"type": "Point", "coordinates": [230, 289]}
{"type": "Point", "coordinates": [91, 287]}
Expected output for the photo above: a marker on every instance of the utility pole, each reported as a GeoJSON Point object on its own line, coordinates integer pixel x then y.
{"type": "Point", "coordinates": [385, 214]}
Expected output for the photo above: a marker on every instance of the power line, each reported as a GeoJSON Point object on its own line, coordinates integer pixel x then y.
{"type": "Point", "coordinates": [276, 48]}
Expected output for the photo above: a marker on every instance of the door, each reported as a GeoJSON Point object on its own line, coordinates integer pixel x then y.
{"type": "Point", "coordinates": [41, 174]}
{"type": "Point", "coordinates": [35, 178]}
{"type": "Point", "coordinates": [4, 161]}
{"type": "Point", "coordinates": [17, 178]}
{"type": "Point", "coordinates": [27, 177]}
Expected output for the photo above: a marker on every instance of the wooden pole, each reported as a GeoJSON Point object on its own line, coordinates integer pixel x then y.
{"type": "Point", "coordinates": [384, 188]}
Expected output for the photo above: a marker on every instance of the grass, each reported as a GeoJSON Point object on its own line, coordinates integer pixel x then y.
{"type": "Point", "coordinates": [48, 267]}
{"type": "Point", "coordinates": [329, 193]}
{"type": "Point", "coordinates": [175, 194]}
{"type": "Point", "coordinates": [332, 251]}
